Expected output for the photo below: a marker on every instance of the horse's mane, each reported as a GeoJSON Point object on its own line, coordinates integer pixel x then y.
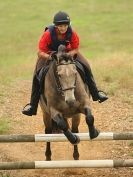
{"type": "Point", "coordinates": [62, 54]}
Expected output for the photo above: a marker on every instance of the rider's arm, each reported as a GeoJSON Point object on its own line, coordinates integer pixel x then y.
{"type": "Point", "coordinates": [74, 43]}
{"type": "Point", "coordinates": [43, 55]}
{"type": "Point", "coordinates": [43, 45]}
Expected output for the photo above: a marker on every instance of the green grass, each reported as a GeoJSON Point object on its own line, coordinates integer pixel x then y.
{"type": "Point", "coordinates": [105, 29]}
{"type": "Point", "coordinates": [115, 72]}
{"type": "Point", "coordinates": [3, 174]}
{"type": "Point", "coordinates": [4, 125]}
{"type": "Point", "coordinates": [131, 143]}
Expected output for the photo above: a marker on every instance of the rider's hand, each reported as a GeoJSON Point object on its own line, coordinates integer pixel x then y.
{"type": "Point", "coordinates": [50, 57]}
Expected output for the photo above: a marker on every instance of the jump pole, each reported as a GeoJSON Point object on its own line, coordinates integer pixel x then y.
{"type": "Point", "coordinates": [103, 136]}
{"type": "Point", "coordinates": [66, 164]}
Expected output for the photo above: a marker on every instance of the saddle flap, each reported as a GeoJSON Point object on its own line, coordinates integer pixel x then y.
{"type": "Point", "coordinates": [81, 71]}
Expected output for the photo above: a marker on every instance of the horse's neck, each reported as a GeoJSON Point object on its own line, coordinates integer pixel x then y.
{"type": "Point", "coordinates": [51, 73]}
{"type": "Point", "coordinates": [53, 69]}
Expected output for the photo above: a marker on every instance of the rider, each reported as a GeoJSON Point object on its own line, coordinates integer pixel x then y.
{"type": "Point", "coordinates": [54, 35]}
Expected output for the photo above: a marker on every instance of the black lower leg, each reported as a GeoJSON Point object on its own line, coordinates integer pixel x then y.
{"type": "Point", "coordinates": [75, 151]}
{"type": "Point", "coordinates": [95, 93]}
{"type": "Point", "coordinates": [91, 84]}
{"type": "Point", "coordinates": [48, 147]}
{"type": "Point", "coordinates": [71, 137]}
{"type": "Point", "coordinates": [89, 78]}
{"type": "Point", "coordinates": [48, 151]}
{"type": "Point", "coordinates": [63, 126]}
{"type": "Point", "coordinates": [35, 94]}
{"type": "Point", "coordinates": [93, 132]}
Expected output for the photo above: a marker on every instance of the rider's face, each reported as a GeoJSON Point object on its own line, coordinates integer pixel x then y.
{"type": "Point", "coordinates": [62, 28]}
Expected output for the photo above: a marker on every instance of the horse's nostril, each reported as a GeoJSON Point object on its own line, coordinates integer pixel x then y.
{"type": "Point", "coordinates": [70, 102]}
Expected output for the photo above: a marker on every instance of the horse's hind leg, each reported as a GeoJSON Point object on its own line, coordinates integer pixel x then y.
{"type": "Point", "coordinates": [90, 122]}
{"type": "Point", "coordinates": [48, 150]}
{"type": "Point", "coordinates": [48, 130]}
{"type": "Point", "coordinates": [75, 124]}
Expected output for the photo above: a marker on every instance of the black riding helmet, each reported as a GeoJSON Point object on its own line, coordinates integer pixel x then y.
{"type": "Point", "coordinates": [61, 18]}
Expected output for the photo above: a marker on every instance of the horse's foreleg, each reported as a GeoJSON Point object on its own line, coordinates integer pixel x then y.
{"type": "Point", "coordinates": [61, 123]}
{"type": "Point", "coordinates": [75, 124]}
{"type": "Point", "coordinates": [48, 147]}
{"type": "Point", "coordinates": [48, 130]}
{"type": "Point", "coordinates": [90, 122]}
{"type": "Point", "coordinates": [48, 151]}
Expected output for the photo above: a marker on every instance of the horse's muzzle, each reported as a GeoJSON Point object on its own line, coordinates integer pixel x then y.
{"type": "Point", "coordinates": [70, 102]}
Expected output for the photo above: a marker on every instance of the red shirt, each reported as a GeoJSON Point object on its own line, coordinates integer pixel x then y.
{"type": "Point", "coordinates": [45, 41]}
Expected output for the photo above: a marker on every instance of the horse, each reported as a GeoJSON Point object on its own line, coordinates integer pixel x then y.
{"type": "Point", "coordinates": [66, 97]}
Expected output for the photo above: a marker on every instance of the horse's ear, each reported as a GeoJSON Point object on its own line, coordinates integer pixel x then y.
{"type": "Point", "coordinates": [61, 48]}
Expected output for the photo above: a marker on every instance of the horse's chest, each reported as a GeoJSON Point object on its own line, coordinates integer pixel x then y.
{"type": "Point", "coordinates": [65, 109]}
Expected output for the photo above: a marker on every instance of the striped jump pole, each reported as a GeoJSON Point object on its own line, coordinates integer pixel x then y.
{"type": "Point", "coordinates": [66, 164]}
{"type": "Point", "coordinates": [103, 136]}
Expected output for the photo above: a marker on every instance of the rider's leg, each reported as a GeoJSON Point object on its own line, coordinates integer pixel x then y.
{"type": "Point", "coordinates": [96, 95]}
{"type": "Point", "coordinates": [31, 108]}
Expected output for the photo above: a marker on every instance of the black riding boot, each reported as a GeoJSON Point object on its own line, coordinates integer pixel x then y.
{"type": "Point", "coordinates": [31, 108]}
{"type": "Point", "coordinates": [95, 93]}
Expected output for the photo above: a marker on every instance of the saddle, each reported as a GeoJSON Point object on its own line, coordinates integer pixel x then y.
{"type": "Point", "coordinates": [41, 76]}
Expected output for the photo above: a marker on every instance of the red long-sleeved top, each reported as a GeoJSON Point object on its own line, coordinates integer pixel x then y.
{"type": "Point", "coordinates": [45, 41]}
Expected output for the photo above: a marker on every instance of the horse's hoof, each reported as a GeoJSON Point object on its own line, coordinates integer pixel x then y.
{"type": "Point", "coordinates": [48, 158]}
{"type": "Point", "coordinates": [77, 140]}
{"type": "Point", "coordinates": [76, 157]}
{"type": "Point", "coordinates": [74, 139]}
{"type": "Point", "coordinates": [93, 132]}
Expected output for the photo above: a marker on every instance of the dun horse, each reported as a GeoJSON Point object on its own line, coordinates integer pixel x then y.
{"type": "Point", "coordinates": [66, 97]}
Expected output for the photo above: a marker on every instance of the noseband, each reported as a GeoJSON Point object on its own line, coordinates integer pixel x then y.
{"type": "Point", "coordinates": [58, 84]}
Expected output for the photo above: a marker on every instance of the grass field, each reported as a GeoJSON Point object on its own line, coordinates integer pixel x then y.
{"type": "Point", "coordinates": [106, 36]}
{"type": "Point", "coordinates": [104, 27]}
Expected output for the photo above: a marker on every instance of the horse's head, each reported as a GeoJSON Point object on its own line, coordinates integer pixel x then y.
{"type": "Point", "coordinates": [65, 75]}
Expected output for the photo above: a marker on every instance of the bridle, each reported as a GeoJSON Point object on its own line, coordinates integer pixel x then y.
{"type": "Point", "coordinates": [57, 80]}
